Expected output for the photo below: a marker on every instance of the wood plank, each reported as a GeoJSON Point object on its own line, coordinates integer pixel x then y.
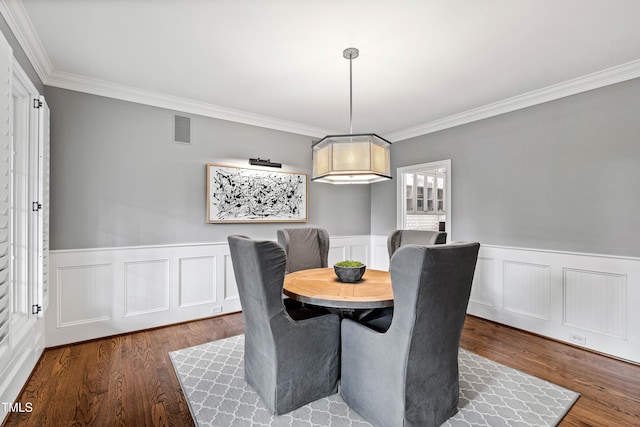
{"type": "Point", "coordinates": [128, 380]}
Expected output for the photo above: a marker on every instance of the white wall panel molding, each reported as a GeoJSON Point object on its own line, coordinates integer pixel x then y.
{"type": "Point", "coordinates": [108, 291]}
{"type": "Point", "coordinates": [482, 291]}
{"type": "Point", "coordinates": [197, 281]}
{"type": "Point", "coordinates": [337, 253]}
{"type": "Point", "coordinates": [526, 289]}
{"type": "Point", "coordinates": [379, 253]}
{"type": "Point", "coordinates": [230, 285]}
{"type": "Point", "coordinates": [146, 287]}
{"type": "Point", "coordinates": [595, 301]}
{"type": "Point", "coordinates": [583, 299]}
{"type": "Point", "coordinates": [142, 287]}
{"type": "Point", "coordinates": [84, 293]}
{"type": "Point", "coordinates": [357, 248]}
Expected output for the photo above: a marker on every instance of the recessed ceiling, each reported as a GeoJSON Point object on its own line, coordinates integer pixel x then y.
{"type": "Point", "coordinates": [280, 61]}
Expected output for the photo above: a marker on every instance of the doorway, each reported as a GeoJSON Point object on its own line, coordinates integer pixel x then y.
{"type": "Point", "coordinates": [424, 197]}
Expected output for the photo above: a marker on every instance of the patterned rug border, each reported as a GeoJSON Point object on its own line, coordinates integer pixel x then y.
{"type": "Point", "coordinates": [332, 411]}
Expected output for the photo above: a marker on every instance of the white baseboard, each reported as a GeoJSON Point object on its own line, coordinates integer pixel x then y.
{"type": "Point", "coordinates": [583, 299]}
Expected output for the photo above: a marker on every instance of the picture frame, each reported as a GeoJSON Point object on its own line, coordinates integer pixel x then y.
{"type": "Point", "coordinates": [244, 195]}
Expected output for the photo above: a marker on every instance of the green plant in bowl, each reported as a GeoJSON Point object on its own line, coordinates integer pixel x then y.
{"type": "Point", "coordinates": [349, 263]}
{"type": "Point", "coordinates": [349, 271]}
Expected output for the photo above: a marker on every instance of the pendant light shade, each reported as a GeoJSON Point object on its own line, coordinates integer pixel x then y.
{"type": "Point", "coordinates": [351, 159]}
{"type": "Point", "coordinates": [354, 158]}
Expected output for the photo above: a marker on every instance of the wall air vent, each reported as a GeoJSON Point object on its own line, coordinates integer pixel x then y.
{"type": "Point", "coordinates": [182, 129]}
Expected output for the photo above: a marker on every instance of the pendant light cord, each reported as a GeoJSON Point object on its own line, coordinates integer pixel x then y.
{"type": "Point", "coordinates": [351, 53]}
{"type": "Point", "coordinates": [350, 94]}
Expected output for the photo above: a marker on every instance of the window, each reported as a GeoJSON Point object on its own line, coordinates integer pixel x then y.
{"type": "Point", "coordinates": [425, 196]}
{"type": "Point", "coordinates": [22, 242]}
{"type": "Point", "coordinates": [22, 176]}
{"type": "Point", "coordinates": [24, 153]}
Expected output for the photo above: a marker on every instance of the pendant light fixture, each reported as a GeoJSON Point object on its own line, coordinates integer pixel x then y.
{"type": "Point", "coordinates": [361, 158]}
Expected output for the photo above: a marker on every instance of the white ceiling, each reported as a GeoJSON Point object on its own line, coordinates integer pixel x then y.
{"type": "Point", "coordinates": [423, 66]}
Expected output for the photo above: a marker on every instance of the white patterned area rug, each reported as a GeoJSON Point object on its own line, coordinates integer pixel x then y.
{"type": "Point", "coordinates": [491, 394]}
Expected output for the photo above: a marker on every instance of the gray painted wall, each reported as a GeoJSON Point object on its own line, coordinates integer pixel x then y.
{"type": "Point", "coordinates": [562, 175]}
{"type": "Point", "coordinates": [118, 179]}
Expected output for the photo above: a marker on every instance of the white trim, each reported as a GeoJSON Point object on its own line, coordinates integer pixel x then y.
{"type": "Point", "coordinates": [156, 99]}
{"type": "Point", "coordinates": [21, 26]}
{"type": "Point", "coordinates": [22, 78]}
{"type": "Point", "coordinates": [593, 302]}
{"type": "Point", "coordinates": [493, 285]}
{"type": "Point", "coordinates": [617, 74]}
{"type": "Point", "coordinates": [400, 193]}
{"type": "Point", "coordinates": [554, 251]}
{"type": "Point", "coordinates": [110, 315]}
{"type": "Point", "coordinates": [168, 245]}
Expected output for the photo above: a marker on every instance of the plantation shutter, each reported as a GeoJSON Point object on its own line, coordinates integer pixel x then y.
{"type": "Point", "coordinates": [6, 106]}
{"type": "Point", "coordinates": [43, 195]}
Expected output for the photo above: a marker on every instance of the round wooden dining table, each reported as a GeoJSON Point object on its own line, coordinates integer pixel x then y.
{"type": "Point", "coordinates": [321, 287]}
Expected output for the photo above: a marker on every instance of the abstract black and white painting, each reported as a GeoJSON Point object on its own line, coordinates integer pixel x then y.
{"type": "Point", "coordinates": [249, 195]}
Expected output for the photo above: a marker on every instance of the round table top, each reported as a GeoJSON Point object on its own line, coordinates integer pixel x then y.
{"type": "Point", "coordinates": [320, 286]}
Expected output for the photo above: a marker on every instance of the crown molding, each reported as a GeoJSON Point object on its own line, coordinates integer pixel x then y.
{"type": "Point", "coordinates": [21, 26]}
{"type": "Point", "coordinates": [18, 20]}
{"type": "Point", "coordinates": [617, 74]}
{"type": "Point", "coordinates": [156, 99]}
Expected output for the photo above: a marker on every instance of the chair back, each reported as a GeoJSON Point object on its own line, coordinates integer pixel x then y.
{"type": "Point", "coordinates": [259, 270]}
{"type": "Point", "coordinates": [288, 363]}
{"type": "Point", "coordinates": [414, 237]}
{"type": "Point", "coordinates": [431, 287]}
{"type": "Point", "coordinates": [306, 248]}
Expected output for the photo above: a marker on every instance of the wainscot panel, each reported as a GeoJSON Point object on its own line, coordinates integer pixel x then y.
{"type": "Point", "coordinates": [586, 300]}
{"type": "Point", "coordinates": [583, 299]}
{"type": "Point", "coordinates": [101, 292]}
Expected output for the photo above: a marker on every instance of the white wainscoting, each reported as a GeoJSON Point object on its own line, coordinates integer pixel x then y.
{"type": "Point", "coordinates": [584, 299]}
{"type": "Point", "coordinates": [102, 292]}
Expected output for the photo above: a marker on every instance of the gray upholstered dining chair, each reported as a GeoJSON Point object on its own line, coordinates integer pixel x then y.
{"type": "Point", "coordinates": [414, 237]}
{"type": "Point", "coordinates": [289, 363]}
{"type": "Point", "coordinates": [305, 247]}
{"type": "Point", "coordinates": [408, 376]}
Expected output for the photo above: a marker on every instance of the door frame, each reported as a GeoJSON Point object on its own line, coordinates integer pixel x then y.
{"type": "Point", "coordinates": [400, 192]}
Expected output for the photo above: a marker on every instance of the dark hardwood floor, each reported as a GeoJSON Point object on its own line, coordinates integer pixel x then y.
{"type": "Point", "coordinates": [128, 380]}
